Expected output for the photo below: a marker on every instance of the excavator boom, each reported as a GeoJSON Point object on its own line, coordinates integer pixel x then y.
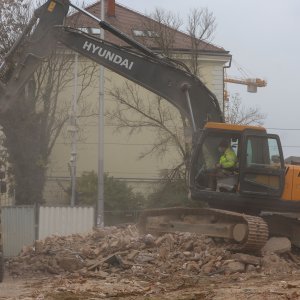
{"type": "Point", "coordinates": [141, 65]}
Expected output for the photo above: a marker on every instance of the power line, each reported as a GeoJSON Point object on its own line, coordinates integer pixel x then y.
{"type": "Point", "coordinates": [147, 144]}
{"type": "Point", "coordinates": [154, 173]}
{"type": "Point", "coordinates": [269, 128]}
{"type": "Point", "coordinates": [112, 143]}
{"type": "Point", "coordinates": [286, 129]}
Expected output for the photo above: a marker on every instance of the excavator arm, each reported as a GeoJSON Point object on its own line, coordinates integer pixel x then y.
{"type": "Point", "coordinates": [34, 45]}
{"type": "Point", "coordinates": [144, 67]}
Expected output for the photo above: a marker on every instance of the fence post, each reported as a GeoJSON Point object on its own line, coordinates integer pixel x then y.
{"type": "Point", "coordinates": [36, 220]}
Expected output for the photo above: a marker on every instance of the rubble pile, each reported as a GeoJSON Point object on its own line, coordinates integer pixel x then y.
{"type": "Point", "coordinates": [121, 252]}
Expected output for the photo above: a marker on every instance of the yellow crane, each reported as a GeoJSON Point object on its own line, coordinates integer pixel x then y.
{"type": "Point", "coordinates": [251, 83]}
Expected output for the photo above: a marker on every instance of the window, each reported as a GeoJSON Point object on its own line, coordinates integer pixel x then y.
{"type": "Point", "coordinates": [263, 152]}
{"type": "Point", "coordinates": [95, 30]}
{"type": "Point", "coordinates": [139, 32]}
{"type": "Point", "coordinates": [152, 33]}
{"type": "Point", "coordinates": [209, 154]}
{"type": "Point", "coordinates": [145, 33]}
{"type": "Point", "coordinates": [274, 152]}
{"type": "Point", "coordinates": [91, 30]}
{"type": "Point", "coordinates": [210, 151]}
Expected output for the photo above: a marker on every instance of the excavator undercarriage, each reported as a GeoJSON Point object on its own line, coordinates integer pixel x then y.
{"type": "Point", "coordinates": [246, 232]}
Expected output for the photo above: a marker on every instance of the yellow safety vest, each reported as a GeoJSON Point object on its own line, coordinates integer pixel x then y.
{"type": "Point", "coordinates": [228, 159]}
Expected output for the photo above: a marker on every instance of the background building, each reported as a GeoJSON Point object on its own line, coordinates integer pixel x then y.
{"type": "Point", "coordinates": [121, 150]}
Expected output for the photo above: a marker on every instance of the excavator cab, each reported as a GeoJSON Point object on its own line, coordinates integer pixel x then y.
{"type": "Point", "coordinates": [259, 169]}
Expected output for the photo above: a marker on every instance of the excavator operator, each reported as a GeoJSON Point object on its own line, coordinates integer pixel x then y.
{"type": "Point", "coordinates": [228, 159]}
{"type": "Point", "coordinates": [226, 176]}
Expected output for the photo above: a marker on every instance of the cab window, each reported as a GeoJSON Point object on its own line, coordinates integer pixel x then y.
{"type": "Point", "coordinates": [210, 155]}
{"type": "Point", "coordinates": [263, 152]}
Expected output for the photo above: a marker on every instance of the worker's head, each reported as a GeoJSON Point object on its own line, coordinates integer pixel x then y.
{"type": "Point", "coordinates": [224, 144]}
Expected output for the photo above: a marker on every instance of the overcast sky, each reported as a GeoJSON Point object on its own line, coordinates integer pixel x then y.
{"type": "Point", "coordinates": [263, 38]}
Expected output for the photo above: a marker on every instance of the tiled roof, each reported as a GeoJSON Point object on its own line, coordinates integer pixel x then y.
{"type": "Point", "coordinates": [126, 20]}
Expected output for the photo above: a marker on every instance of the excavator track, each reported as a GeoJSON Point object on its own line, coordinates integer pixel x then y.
{"type": "Point", "coordinates": [248, 233]}
{"type": "Point", "coordinates": [258, 234]}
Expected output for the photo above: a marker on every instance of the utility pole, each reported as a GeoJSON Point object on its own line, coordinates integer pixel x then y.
{"type": "Point", "coordinates": [100, 202]}
{"type": "Point", "coordinates": [73, 129]}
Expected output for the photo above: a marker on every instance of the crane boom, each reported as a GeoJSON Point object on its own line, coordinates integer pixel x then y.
{"type": "Point", "coordinates": [251, 83]}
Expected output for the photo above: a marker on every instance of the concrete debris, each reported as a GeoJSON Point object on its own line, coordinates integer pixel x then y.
{"type": "Point", "coordinates": [121, 253]}
{"type": "Point", "coordinates": [277, 245]}
{"type": "Point", "coordinates": [234, 267]}
{"type": "Point", "coordinates": [250, 268]}
{"type": "Point", "coordinates": [247, 259]}
{"type": "Point", "coordinates": [149, 240]}
{"type": "Point", "coordinates": [273, 263]}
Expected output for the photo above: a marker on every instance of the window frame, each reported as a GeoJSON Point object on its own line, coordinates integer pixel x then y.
{"type": "Point", "coordinates": [265, 172]}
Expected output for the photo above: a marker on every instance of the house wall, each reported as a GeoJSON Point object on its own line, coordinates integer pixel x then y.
{"type": "Point", "coordinates": [121, 151]}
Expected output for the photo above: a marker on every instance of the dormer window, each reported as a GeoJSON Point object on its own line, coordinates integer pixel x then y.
{"type": "Point", "coordinates": [145, 33]}
{"type": "Point", "coordinates": [90, 30]}
{"type": "Point", "coordinates": [152, 33]}
{"type": "Point", "coordinates": [139, 32]}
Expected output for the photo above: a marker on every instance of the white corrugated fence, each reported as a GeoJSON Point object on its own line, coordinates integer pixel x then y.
{"type": "Point", "coordinates": [65, 220]}
{"type": "Point", "coordinates": [18, 224]}
{"type": "Point", "coordinates": [17, 228]}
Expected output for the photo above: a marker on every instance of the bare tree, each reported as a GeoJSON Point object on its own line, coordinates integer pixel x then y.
{"type": "Point", "coordinates": [161, 27]}
{"type": "Point", "coordinates": [13, 18]}
{"type": "Point", "coordinates": [134, 112]}
{"type": "Point", "coordinates": [237, 113]}
{"type": "Point", "coordinates": [201, 28]}
{"type": "Point", "coordinates": [34, 122]}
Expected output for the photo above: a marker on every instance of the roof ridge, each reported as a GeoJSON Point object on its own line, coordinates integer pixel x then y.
{"type": "Point", "coordinates": [144, 15]}
{"type": "Point", "coordinates": [205, 44]}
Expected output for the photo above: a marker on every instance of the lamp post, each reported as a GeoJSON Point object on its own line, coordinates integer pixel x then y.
{"type": "Point", "coordinates": [100, 202]}
{"type": "Point", "coordinates": [73, 129]}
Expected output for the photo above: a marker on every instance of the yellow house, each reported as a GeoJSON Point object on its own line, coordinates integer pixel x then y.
{"type": "Point", "coordinates": [122, 151]}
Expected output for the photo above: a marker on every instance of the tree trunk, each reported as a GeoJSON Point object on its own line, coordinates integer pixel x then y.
{"type": "Point", "coordinates": [22, 128]}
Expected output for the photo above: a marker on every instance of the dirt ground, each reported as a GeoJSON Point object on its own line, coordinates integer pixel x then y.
{"type": "Point", "coordinates": [118, 263]}
{"type": "Point", "coordinates": [217, 287]}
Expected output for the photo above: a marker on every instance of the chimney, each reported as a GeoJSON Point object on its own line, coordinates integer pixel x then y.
{"type": "Point", "coordinates": [111, 8]}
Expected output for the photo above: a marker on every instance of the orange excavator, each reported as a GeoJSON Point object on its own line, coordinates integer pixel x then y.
{"type": "Point", "coordinates": [258, 197]}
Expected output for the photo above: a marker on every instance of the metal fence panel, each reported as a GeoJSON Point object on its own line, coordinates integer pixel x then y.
{"type": "Point", "coordinates": [65, 220]}
{"type": "Point", "coordinates": [18, 229]}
